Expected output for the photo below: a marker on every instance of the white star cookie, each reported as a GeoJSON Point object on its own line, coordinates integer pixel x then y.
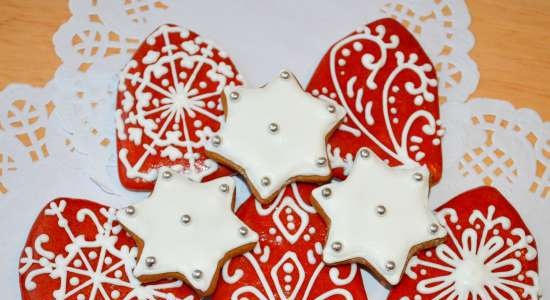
{"type": "Point", "coordinates": [378, 217]}
{"type": "Point", "coordinates": [187, 230]}
{"type": "Point", "coordinates": [275, 135]}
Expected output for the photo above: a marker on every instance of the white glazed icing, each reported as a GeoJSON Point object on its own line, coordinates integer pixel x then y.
{"type": "Point", "coordinates": [61, 266]}
{"type": "Point", "coordinates": [213, 230]}
{"type": "Point", "coordinates": [363, 233]}
{"type": "Point", "coordinates": [478, 268]}
{"type": "Point", "coordinates": [303, 124]}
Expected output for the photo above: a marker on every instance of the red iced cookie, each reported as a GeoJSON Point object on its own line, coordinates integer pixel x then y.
{"type": "Point", "coordinates": [490, 254]}
{"type": "Point", "coordinates": [388, 86]}
{"type": "Point", "coordinates": [287, 262]}
{"type": "Point", "coordinates": [168, 105]}
{"type": "Point", "coordinates": [76, 250]}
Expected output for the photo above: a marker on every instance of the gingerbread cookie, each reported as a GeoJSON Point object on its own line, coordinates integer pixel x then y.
{"type": "Point", "coordinates": [168, 105]}
{"type": "Point", "coordinates": [287, 262]}
{"type": "Point", "coordinates": [275, 135]}
{"type": "Point", "coordinates": [77, 250]}
{"type": "Point", "coordinates": [378, 216]}
{"type": "Point", "coordinates": [388, 86]}
{"type": "Point", "coordinates": [490, 254]}
{"type": "Point", "coordinates": [186, 230]}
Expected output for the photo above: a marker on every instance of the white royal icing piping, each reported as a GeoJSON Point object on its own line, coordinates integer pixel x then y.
{"type": "Point", "coordinates": [212, 232]}
{"type": "Point", "coordinates": [363, 233]}
{"type": "Point", "coordinates": [355, 89]}
{"type": "Point", "coordinates": [76, 261]}
{"type": "Point", "coordinates": [482, 261]}
{"type": "Point", "coordinates": [292, 289]}
{"type": "Point", "coordinates": [180, 103]}
{"type": "Point", "coordinates": [303, 124]}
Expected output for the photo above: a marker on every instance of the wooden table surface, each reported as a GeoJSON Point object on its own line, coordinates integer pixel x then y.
{"type": "Point", "coordinates": [512, 47]}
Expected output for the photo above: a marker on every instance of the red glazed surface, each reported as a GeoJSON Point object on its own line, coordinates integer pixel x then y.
{"type": "Point", "coordinates": [168, 105]}
{"type": "Point", "coordinates": [73, 241]}
{"type": "Point", "coordinates": [287, 263]}
{"type": "Point", "coordinates": [490, 254]}
{"type": "Point", "coordinates": [385, 80]}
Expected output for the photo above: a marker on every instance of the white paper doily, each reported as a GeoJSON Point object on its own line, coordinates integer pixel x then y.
{"type": "Point", "coordinates": [59, 140]}
{"type": "Point", "coordinates": [489, 142]}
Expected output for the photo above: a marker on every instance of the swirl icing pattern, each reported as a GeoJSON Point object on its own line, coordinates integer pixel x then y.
{"type": "Point", "coordinates": [388, 86]}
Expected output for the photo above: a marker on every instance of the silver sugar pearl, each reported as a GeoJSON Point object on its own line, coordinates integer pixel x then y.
{"type": "Point", "coordinates": [434, 228]}
{"type": "Point", "coordinates": [285, 74]}
{"type": "Point", "coordinates": [321, 161]}
{"type": "Point", "coordinates": [197, 274]}
{"type": "Point", "coordinates": [166, 174]}
{"type": "Point", "coordinates": [224, 188]}
{"type": "Point", "coordinates": [130, 210]}
{"type": "Point", "coordinates": [216, 140]}
{"type": "Point", "coordinates": [150, 261]}
{"type": "Point", "coordinates": [273, 127]}
{"type": "Point", "coordinates": [364, 153]}
{"type": "Point", "coordinates": [234, 96]}
{"type": "Point", "coordinates": [185, 219]}
{"type": "Point", "coordinates": [326, 192]}
{"type": "Point", "coordinates": [418, 176]}
{"type": "Point", "coordinates": [336, 246]}
{"type": "Point", "coordinates": [390, 265]}
{"type": "Point", "coordinates": [266, 181]}
{"type": "Point", "coordinates": [331, 108]}
{"type": "Point", "coordinates": [243, 231]}
{"type": "Point", "coordinates": [381, 210]}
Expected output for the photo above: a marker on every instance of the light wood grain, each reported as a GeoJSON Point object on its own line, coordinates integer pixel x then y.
{"type": "Point", "coordinates": [512, 47]}
{"type": "Point", "coordinates": [26, 49]}
{"type": "Point", "coordinates": [512, 51]}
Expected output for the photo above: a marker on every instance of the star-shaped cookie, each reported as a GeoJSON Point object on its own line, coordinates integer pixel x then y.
{"type": "Point", "coordinates": [378, 217]}
{"type": "Point", "coordinates": [186, 230]}
{"type": "Point", "coordinates": [275, 135]}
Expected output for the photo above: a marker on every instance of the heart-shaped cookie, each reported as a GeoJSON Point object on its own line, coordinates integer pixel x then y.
{"type": "Point", "coordinates": [287, 262]}
{"type": "Point", "coordinates": [77, 250]}
{"type": "Point", "coordinates": [168, 105]}
{"type": "Point", "coordinates": [388, 86]}
{"type": "Point", "coordinates": [489, 254]}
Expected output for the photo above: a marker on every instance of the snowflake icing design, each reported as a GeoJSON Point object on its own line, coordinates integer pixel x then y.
{"type": "Point", "coordinates": [89, 269]}
{"type": "Point", "coordinates": [480, 264]}
{"type": "Point", "coordinates": [170, 103]}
